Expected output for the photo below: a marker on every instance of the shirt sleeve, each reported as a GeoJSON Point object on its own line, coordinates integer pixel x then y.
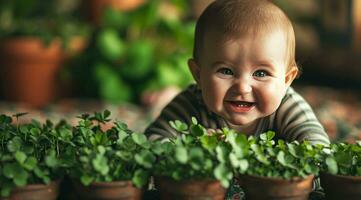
{"type": "Point", "coordinates": [295, 120]}
{"type": "Point", "coordinates": [181, 108]}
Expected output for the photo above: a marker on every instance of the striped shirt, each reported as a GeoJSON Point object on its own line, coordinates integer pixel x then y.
{"type": "Point", "coordinates": [293, 120]}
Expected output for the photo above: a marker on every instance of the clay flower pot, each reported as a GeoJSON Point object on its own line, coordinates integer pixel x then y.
{"type": "Point", "coordinates": [95, 7]}
{"type": "Point", "coordinates": [29, 70]}
{"type": "Point", "coordinates": [36, 191]}
{"type": "Point", "coordinates": [265, 188]}
{"type": "Point", "coordinates": [118, 190]}
{"type": "Point", "coordinates": [341, 187]}
{"type": "Point", "coordinates": [189, 189]}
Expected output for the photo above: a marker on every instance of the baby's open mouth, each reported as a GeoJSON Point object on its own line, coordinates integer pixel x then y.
{"type": "Point", "coordinates": [242, 104]}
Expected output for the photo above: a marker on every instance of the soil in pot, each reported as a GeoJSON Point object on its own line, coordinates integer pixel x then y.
{"type": "Point", "coordinates": [189, 189]}
{"type": "Point", "coordinates": [118, 190]}
{"type": "Point", "coordinates": [264, 188]}
{"type": "Point", "coordinates": [36, 191]}
{"type": "Point", "coordinates": [338, 187]}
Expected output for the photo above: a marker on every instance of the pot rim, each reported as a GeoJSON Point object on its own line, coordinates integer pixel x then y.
{"type": "Point", "coordinates": [186, 180]}
{"type": "Point", "coordinates": [350, 177]}
{"type": "Point", "coordinates": [276, 179]}
{"type": "Point", "coordinates": [38, 186]}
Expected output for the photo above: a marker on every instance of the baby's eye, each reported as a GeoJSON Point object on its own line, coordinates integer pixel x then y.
{"type": "Point", "coordinates": [260, 73]}
{"type": "Point", "coordinates": [225, 71]}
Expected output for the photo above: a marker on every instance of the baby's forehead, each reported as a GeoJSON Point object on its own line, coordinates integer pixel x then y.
{"type": "Point", "coordinates": [224, 36]}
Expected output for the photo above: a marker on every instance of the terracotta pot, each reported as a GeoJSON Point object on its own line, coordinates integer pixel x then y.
{"type": "Point", "coordinates": [28, 70]}
{"type": "Point", "coordinates": [341, 187]}
{"type": "Point", "coordinates": [189, 189]}
{"type": "Point", "coordinates": [119, 190]}
{"type": "Point", "coordinates": [36, 191]}
{"type": "Point", "coordinates": [95, 7]}
{"type": "Point", "coordinates": [264, 188]}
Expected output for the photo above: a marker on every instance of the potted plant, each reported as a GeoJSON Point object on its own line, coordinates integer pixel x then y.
{"type": "Point", "coordinates": [267, 170]}
{"type": "Point", "coordinates": [131, 53]}
{"type": "Point", "coordinates": [35, 39]}
{"type": "Point", "coordinates": [109, 164]}
{"type": "Point", "coordinates": [193, 165]}
{"type": "Point", "coordinates": [341, 171]}
{"type": "Point", "coordinates": [33, 158]}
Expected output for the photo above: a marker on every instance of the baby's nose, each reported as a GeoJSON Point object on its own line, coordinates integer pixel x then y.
{"type": "Point", "coordinates": [242, 86]}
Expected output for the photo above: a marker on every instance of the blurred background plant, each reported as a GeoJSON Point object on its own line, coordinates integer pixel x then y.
{"type": "Point", "coordinates": [134, 52]}
{"type": "Point", "coordinates": [36, 37]}
{"type": "Point", "coordinates": [42, 19]}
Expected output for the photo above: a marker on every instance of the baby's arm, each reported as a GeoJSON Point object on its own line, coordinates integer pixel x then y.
{"type": "Point", "coordinates": [182, 108]}
{"type": "Point", "coordinates": [295, 120]}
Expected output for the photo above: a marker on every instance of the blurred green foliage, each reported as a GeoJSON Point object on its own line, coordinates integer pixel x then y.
{"type": "Point", "coordinates": [43, 19]}
{"type": "Point", "coordinates": [131, 52]}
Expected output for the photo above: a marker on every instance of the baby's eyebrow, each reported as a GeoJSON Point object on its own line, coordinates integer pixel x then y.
{"type": "Point", "coordinates": [217, 63]}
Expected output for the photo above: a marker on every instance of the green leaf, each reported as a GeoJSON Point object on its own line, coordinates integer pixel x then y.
{"type": "Point", "coordinates": [270, 135]}
{"type": "Point", "coordinates": [24, 129]}
{"type": "Point", "coordinates": [281, 158]}
{"type": "Point", "coordinates": [110, 44]}
{"type": "Point", "coordinates": [209, 142]}
{"type": "Point", "coordinates": [100, 164]}
{"type": "Point", "coordinates": [197, 130]}
{"type": "Point", "coordinates": [140, 178]}
{"type": "Point", "coordinates": [178, 125]}
{"type": "Point", "coordinates": [243, 165]}
{"type": "Point", "coordinates": [263, 136]}
{"type": "Point", "coordinates": [20, 177]}
{"type": "Point", "coordinates": [124, 155]}
{"type": "Point", "coordinates": [223, 174]}
{"type": "Point", "coordinates": [331, 165]}
{"type": "Point", "coordinates": [121, 136]}
{"type": "Point", "coordinates": [358, 171]}
{"type": "Point", "coordinates": [65, 134]}
{"type": "Point", "coordinates": [51, 159]}
{"type": "Point", "coordinates": [181, 155]}
{"type": "Point", "coordinates": [30, 163]}
{"type": "Point", "coordinates": [157, 148]}
{"type": "Point", "coordinates": [20, 157]}
{"type": "Point", "coordinates": [106, 114]}
{"type": "Point", "coordinates": [145, 158]}
{"type": "Point", "coordinates": [14, 144]}
{"type": "Point", "coordinates": [86, 179]}
{"type": "Point", "coordinates": [9, 170]}
{"type": "Point", "coordinates": [194, 121]}
{"type": "Point", "coordinates": [293, 149]}
{"type": "Point", "coordinates": [5, 191]}
{"type": "Point", "coordinates": [35, 132]}
{"type": "Point", "coordinates": [222, 153]}
{"type": "Point", "coordinates": [139, 138]}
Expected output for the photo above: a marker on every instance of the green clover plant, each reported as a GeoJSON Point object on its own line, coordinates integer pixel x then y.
{"type": "Point", "coordinates": [110, 155]}
{"type": "Point", "coordinates": [194, 154]}
{"type": "Point", "coordinates": [342, 159]}
{"type": "Point", "coordinates": [32, 153]}
{"type": "Point", "coordinates": [262, 156]}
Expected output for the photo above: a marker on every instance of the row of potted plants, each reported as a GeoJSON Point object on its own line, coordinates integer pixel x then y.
{"type": "Point", "coordinates": [198, 164]}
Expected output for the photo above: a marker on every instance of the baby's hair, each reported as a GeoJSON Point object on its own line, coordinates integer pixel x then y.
{"type": "Point", "coordinates": [233, 18]}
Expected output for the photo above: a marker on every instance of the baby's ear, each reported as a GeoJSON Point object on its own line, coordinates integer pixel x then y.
{"type": "Point", "coordinates": [195, 70]}
{"type": "Point", "coordinates": [291, 75]}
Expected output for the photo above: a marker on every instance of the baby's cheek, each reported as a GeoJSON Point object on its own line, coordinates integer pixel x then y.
{"type": "Point", "coordinates": [270, 100]}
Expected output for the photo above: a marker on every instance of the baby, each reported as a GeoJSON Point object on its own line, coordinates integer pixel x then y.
{"type": "Point", "coordinates": [243, 64]}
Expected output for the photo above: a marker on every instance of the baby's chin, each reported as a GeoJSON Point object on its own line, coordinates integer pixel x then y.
{"type": "Point", "coordinates": [238, 120]}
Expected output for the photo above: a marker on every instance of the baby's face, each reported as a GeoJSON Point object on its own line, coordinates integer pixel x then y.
{"type": "Point", "coordinates": [244, 79]}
